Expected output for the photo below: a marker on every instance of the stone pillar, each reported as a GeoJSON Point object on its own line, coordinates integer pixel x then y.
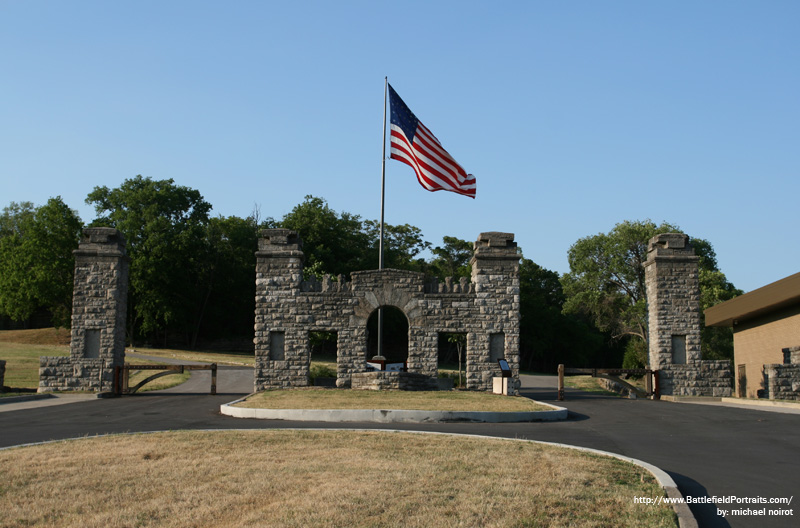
{"type": "Point", "coordinates": [99, 310]}
{"type": "Point", "coordinates": [672, 279]}
{"type": "Point", "coordinates": [278, 340]}
{"type": "Point", "coordinates": [495, 278]}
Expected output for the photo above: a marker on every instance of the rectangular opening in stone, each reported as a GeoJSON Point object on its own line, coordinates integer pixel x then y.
{"type": "Point", "coordinates": [451, 358]}
{"type": "Point", "coordinates": [497, 347]}
{"type": "Point", "coordinates": [679, 350]}
{"type": "Point", "coordinates": [277, 346]}
{"type": "Point", "coordinates": [323, 359]}
{"type": "Point", "coordinates": [91, 344]}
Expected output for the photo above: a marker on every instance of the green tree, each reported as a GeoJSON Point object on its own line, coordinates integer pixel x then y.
{"type": "Point", "coordinates": [229, 297]}
{"type": "Point", "coordinates": [333, 243]}
{"type": "Point", "coordinates": [548, 336]}
{"type": "Point", "coordinates": [401, 245]}
{"type": "Point", "coordinates": [451, 259]}
{"type": "Point", "coordinates": [36, 260]}
{"type": "Point", "coordinates": [165, 228]}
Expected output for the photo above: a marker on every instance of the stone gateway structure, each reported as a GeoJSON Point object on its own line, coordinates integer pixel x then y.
{"type": "Point", "coordinates": [99, 308]}
{"type": "Point", "coordinates": [672, 279]}
{"type": "Point", "coordinates": [485, 308]}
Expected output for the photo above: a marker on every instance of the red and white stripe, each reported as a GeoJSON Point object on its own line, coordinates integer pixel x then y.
{"type": "Point", "coordinates": [435, 168]}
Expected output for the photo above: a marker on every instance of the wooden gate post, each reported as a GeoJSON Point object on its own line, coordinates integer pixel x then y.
{"type": "Point", "coordinates": [657, 388]}
{"type": "Point", "coordinates": [561, 382]}
{"type": "Point", "coordinates": [648, 383]}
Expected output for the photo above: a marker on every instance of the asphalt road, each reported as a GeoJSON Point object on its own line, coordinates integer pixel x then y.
{"type": "Point", "coordinates": [708, 450]}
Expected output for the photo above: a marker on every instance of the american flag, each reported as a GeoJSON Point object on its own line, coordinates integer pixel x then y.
{"type": "Point", "coordinates": [415, 145]}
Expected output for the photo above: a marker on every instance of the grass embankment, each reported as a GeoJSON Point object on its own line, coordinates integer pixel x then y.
{"type": "Point", "coordinates": [407, 400]}
{"type": "Point", "coordinates": [320, 478]}
{"type": "Point", "coordinates": [591, 384]}
{"type": "Point", "coordinates": [586, 383]}
{"type": "Point", "coordinates": [21, 350]}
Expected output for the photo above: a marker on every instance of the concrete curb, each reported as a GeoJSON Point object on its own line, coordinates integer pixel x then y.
{"type": "Point", "coordinates": [762, 403]}
{"type": "Point", "coordinates": [392, 415]}
{"type": "Point", "coordinates": [30, 397]}
{"type": "Point", "coordinates": [685, 517]}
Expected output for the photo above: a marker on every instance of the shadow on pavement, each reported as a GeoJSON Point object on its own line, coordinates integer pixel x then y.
{"type": "Point", "coordinates": [706, 514]}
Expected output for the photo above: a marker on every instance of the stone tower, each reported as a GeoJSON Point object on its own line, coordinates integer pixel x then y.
{"type": "Point", "coordinates": [495, 278]}
{"type": "Point", "coordinates": [279, 274]}
{"type": "Point", "coordinates": [99, 309]}
{"type": "Point", "coordinates": [672, 278]}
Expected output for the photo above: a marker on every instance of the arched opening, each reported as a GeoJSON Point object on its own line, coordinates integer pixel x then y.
{"type": "Point", "coordinates": [395, 335]}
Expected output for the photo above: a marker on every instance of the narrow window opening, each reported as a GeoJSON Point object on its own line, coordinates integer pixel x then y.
{"type": "Point", "coordinates": [497, 347]}
{"type": "Point", "coordinates": [276, 346]}
{"type": "Point", "coordinates": [679, 350]}
{"type": "Point", "coordinates": [91, 344]}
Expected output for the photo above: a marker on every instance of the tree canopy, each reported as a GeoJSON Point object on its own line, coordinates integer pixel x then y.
{"type": "Point", "coordinates": [36, 261]}
{"type": "Point", "coordinates": [164, 225]}
{"type": "Point", "coordinates": [191, 276]}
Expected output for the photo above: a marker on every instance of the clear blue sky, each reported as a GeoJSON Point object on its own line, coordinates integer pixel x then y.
{"type": "Point", "coordinates": [573, 116]}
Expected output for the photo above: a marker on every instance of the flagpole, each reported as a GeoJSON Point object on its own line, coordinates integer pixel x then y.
{"type": "Point", "coordinates": [383, 187]}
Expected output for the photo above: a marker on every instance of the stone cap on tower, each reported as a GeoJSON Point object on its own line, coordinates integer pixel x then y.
{"type": "Point", "coordinates": [669, 245]}
{"type": "Point", "coordinates": [495, 245]}
{"type": "Point", "coordinates": [101, 240]}
{"type": "Point", "coordinates": [279, 241]}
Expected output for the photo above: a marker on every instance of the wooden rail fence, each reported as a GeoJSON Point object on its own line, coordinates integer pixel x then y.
{"type": "Point", "coordinates": [122, 374]}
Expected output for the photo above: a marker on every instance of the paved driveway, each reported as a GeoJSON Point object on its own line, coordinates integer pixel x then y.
{"type": "Point", "coordinates": [708, 450]}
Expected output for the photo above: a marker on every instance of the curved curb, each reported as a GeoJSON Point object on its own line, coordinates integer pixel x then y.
{"type": "Point", "coordinates": [685, 517]}
{"type": "Point", "coordinates": [392, 415]}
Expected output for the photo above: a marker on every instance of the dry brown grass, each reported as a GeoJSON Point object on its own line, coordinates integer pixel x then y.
{"type": "Point", "coordinates": [586, 383]}
{"type": "Point", "coordinates": [22, 362]}
{"type": "Point", "coordinates": [407, 400]}
{"type": "Point", "coordinates": [39, 336]}
{"type": "Point", "coordinates": [319, 478]}
{"type": "Point", "coordinates": [221, 358]}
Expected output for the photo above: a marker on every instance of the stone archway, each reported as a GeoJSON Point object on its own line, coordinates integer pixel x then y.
{"type": "Point", "coordinates": [395, 334]}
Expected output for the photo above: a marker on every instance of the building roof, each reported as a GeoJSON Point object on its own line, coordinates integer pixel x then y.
{"type": "Point", "coordinates": [766, 299]}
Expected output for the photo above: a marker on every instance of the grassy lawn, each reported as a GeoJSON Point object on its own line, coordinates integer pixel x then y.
{"type": "Point", "coordinates": [239, 359]}
{"type": "Point", "coordinates": [320, 478]}
{"type": "Point", "coordinates": [408, 400]}
{"type": "Point", "coordinates": [22, 363]}
{"type": "Point", "coordinates": [21, 350]}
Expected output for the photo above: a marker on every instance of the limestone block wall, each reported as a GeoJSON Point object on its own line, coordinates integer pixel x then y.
{"type": "Point", "coordinates": [99, 308]}
{"type": "Point", "coordinates": [791, 355]}
{"type": "Point", "coordinates": [699, 378]}
{"type": "Point", "coordinates": [384, 380]}
{"type": "Point", "coordinates": [288, 308]}
{"type": "Point", "coordinates": [783, 381]}
{"type": "Point", "coordinates": [672, 281]}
